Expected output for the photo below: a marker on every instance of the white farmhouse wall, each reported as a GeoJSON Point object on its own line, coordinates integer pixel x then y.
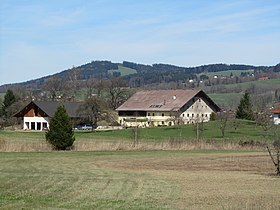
{"type": "Point", "coordinates": [276, 119]}
{"type": "Point", "coordinates": [38, 123]}
{"type": "Point", "coordinates": [198, 112]}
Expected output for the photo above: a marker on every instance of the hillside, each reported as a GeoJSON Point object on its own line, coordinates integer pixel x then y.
{"type": "Point", "coordinates": [138, 75]}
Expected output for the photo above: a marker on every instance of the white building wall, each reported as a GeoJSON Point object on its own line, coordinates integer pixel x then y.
{"type": "Point", "coordinates": [276, 119]}
{"type": "Point", "coordinates": [38, 122]}
{"type": "Point", "coordinates": [198, 112]}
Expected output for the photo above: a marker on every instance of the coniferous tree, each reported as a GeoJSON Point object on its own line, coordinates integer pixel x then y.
{"type": "Point", "coordinates": [244, 109]}
{"type": "Point", "coordinates": [9, 99]}
{"type": "Point", "coordinates": [60, 134]}
{"type": "Point", "coordinates": [8, 107]}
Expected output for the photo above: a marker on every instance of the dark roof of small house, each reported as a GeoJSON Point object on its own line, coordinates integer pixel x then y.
{"type": "Point", "coordinates": [49, 107]}
{"type": "Point", "coordinates": [276, 110]}
{"type": "Point", "coordinates": [162, 100]}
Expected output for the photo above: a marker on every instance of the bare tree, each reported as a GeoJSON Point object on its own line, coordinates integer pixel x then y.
{"type": "Point", "coordinates": [274, 154]}
{"type": "Point", "coordinates": [99, 85]}
{"type": "Point", "coordinates": [223, 118]}
{"type": "Point", "coordinates": [90, 87]}
{"type": "Point", "coordinates": [263, 119]}
{"type": "Point", "coordinates": [117, 91]}
{"type": "Point", "coordinates": [94, 110]}
{"type": "Point", "coordinates": [135, 133]}
{"type": "Point", "coordinates": [198, 127]}
{"type": "Point", "coordinates": [53, 86]}
{"type": "Point", "coordinates": [72, 82]}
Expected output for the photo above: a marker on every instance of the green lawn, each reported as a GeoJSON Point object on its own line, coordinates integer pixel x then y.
{"type": "Point", "coordinates": [245, 85]}
{"type": "Point", "coordinates": [124, 71]}
{"type": "Point", "coordinates": [226, 73]}
{"type": "Point", "coordinates": [138, 180]}
{"type": "Point", "coordinates": [226, 99]}
{"type": "Point", "coordinates": [246, 130]}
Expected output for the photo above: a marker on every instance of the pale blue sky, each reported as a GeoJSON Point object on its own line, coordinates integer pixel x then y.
{"type": "Point", "coordinates": [42, 37]}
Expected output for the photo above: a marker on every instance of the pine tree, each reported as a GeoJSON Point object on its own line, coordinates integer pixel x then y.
{"type": "Point", "coordinates": [9, 99]}
{"type": "Point", "coordinates": [60, 134]}
{"type": "Point", "coordinates": [244, 109]}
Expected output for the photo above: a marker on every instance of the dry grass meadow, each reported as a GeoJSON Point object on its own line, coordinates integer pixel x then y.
{"type": "Point", "coordinates": [115, 174]}
{"type": "Point", "coordinates": [138, 180]}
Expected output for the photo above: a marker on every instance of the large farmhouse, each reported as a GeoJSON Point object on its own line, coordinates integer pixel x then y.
{"type": "Point", "coordinates": [166, 108]}
{"type": "Point", "coordinates": [36, 115]}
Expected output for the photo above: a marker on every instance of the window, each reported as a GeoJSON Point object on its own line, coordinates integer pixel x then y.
{"type": "Point", "coordinates": [188, 115]}
{"type": "Point", "coordinates": [205, 115]}
{"type": "Point", "coordinates": [197, 115]}
{"type": "Point", "coordinates": [153, 114]}
{"type": "Point", "coordinates": [199, 100]}
{"type": "Point", "coordinates": [202, 115]}
{"type": "Point", "coordinates": [39, 126]}
{"type": "Point", "coordinates": [183, 115]}
{"type": "Point", "coordinates": [148, 113]}
{"type": "Point", "coordinates": [192, 115]}
{"type": "Point", "coordinates": [32, 125]}
{"type": "Point", "coordinates": [162, 122]}
{"type": "Point", "coordinates": [45, 125]}
{"type": "Point", "coordinates": [162, 114]}
{"type": "Point", "coordinates": [27, 125]}
{"type": "Point", "coordinates": [155, 106]}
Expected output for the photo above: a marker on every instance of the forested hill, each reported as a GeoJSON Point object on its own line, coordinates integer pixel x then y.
{"type": "Point", "coordinates": [137, 74]}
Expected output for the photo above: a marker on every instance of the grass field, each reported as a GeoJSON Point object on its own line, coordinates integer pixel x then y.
{"type": "Point", "coordinates": [226, 73]}
{"type": "Point", "coordinates": [246, 130]}
{"type": "Point", "coordinates": [138, 180]}
{"type": "Point", "coordinates": [259, 83]}
{"type": "Point", "coordinates": [159, 138]}
{"type": "Point", "coordinates": [226, 99]}
{"type": "Point", "coordinates": [124, 71]}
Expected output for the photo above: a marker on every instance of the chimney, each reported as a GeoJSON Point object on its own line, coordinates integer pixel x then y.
{"type": "Point", "coordinates": [174, 97]}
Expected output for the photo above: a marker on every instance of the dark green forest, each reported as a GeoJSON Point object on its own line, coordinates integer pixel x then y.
{"type": "Point", "coordinates": [143, 75]}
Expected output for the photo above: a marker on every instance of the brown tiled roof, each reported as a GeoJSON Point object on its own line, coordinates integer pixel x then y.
{"type": "Point", "coordinates": [160, 100]}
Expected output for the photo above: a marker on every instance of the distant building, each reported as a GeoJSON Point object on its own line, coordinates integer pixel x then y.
{"type": "Point", "coordinates": [36, 115]}
{"type": "Point", "coordinates": [276, 115]}
{"type": "Point", "coordinates": [166, 108]}
{"type": "Point", "coordinates": [263, 78]}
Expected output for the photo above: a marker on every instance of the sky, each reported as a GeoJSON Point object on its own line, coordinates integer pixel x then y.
{"type": "Point", "coordinates": [43, 37]}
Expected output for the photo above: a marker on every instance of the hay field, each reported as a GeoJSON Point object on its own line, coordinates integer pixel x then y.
{"type": "Point", "coordinates": [138, 180]}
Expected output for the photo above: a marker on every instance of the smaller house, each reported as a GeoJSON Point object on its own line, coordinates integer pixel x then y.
{"type": "Point", "coordinates": [276, 115]}
{"type": "Point", "coordinates": [37, 114]}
